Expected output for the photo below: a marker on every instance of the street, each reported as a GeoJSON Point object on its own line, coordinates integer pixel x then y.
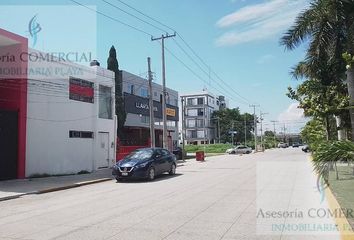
{"type": "Point", "coordinates": [216, 199]}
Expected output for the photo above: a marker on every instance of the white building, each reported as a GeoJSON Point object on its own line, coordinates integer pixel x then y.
{"type": "Point", "coordinates": [198, 108]}
{"type": "Point", "coordinates": [70, 117]}
{"type": "Point", "coordinates": [56, 117]}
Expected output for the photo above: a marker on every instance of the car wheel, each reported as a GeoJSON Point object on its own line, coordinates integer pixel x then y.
{"type": "Point", "coordinates": [118, 179]}
{"type": "Point", "coordinates": [173, 170]}
{"type": "Point", "coordinates": [233, 152]}
{"type": "Point", "coordinates": [151, 174]}
{"type": "Point", "coordinates": [248, 152]}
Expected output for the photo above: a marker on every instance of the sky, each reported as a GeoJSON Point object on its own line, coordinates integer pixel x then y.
{"type": "Point", "coordinates": [236, 44]}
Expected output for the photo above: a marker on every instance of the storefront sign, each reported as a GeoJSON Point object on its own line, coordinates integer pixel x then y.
{"type": "Point", "coordinates": [140, 105]}
{"type": "Point", "coordinates": [170, 112]}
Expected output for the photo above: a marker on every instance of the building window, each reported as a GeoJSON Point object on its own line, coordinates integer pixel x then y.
{"type": "Point", "coordinates": [190, 123]}
{"type": "Point", "coordinates": [131, 89]}
{"type": "Point", "coordinates": [105, 102]}
{"type": "Point", "coordinates": [176, 102]}
{"type": "Point", "coordinates": [192, 112]}
{"type": "Point", "coordinates": [200, 101]}
{"type": "Point", "coordinates": [81, 90]}
{"type": "Point", "coordinates": [200, 112]}
{"type": "Point", "coordinates": [171, 124]}
{"type": "Point", "coordinates": [155, 94]}
{"type": "Point", "coordinates": [144, 92]}
{"type": "Point", "coordinates": [200, 134]}
{"type": "Point", "coordinates": [200, 123]}
{"type": "Point", "coordinates": [80, 134]}
{"type": "Point", "coordinates": [191, 134]}
{"type": "Point", "coordinates": [191, 101]}
{"type": "Point", "coordinates": [145, 119]}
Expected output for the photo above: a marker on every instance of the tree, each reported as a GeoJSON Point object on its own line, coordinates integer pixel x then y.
{"type": "Point", "coordinates": [314, 133]}
{"type": "Point", "coordinates": [322, 102]}
{"type": "Point", "coordinates": [112, 64]}
{"type": "Point", "coordinates": [328, 25]}
{"type": "Point", "coordinates": [233, 120]}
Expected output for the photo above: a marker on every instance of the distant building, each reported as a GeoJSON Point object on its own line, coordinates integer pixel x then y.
{"type": "Point", "coordinates": [137, 125]}
{"type": "Point", "coordinates": [197, 112]}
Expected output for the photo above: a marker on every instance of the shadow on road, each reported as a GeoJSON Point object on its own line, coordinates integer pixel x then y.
{"type": "Point", "coordinates": [162, 177]}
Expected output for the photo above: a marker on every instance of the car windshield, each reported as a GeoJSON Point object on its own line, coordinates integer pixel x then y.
{"type": "Point", "coordinates": [141, 154]}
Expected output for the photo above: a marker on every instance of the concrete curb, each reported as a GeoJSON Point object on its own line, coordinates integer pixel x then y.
{"type": "Point", "coordinates": [75, 185]}
{"type": "Point", "coordinates": [54, 189]}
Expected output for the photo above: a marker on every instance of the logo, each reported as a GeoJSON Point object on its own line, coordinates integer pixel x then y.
{"type": "Point", "coordinates": [320, 187]}
{"type": "Point", "coordinates": [125, 169]}
{"type": "Point", "coordinates": [34, 28]}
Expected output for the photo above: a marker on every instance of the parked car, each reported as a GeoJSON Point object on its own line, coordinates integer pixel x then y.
{"type": "Point", "coordinates": [296, 145]}
{"type": "Point", "coordinates": [282, 145]}
{"type": "Point", "coordinates": [239, 150]}
{"type": "Point", "coordinates": [145, 163]}
{"type": "Point", "coordinates": [306, 148]}
{"type": "Point", "coordinates": [178, 153]}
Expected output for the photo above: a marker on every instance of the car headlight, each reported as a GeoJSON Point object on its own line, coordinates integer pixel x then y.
{"type": "Point", "coordinates": [141, 165]}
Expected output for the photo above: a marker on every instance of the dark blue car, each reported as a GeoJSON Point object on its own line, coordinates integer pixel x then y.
{"type": "Point", "coordinates": [145, 163]}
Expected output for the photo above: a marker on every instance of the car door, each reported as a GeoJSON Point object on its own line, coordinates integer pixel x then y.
{"type": "Point", "coordinates": [166, 165]}
{"type": "Point", "coordinates": [238, 150]}
{"type": "Point", "coordinates": [158, 161]}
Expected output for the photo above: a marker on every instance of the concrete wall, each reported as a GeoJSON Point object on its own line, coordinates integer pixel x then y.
{"type": "Point", "coordinates": [51, 115]}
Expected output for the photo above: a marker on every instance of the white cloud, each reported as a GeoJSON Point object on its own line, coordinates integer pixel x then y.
{"type": "Point", "coordinates": [292, 114]}
{"type": "Point", "coordinates": [251, 12]}
{"type": "Point", "coordinates": [265, 59]}
{"type": "Point", "coordinates": [259, 21]}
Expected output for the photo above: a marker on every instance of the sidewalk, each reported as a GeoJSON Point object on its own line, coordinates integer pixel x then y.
{"type": "Point", "coordinates": [11, 189]}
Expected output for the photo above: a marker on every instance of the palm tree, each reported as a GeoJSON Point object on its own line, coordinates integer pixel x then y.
{"type": "Point", "coordinates": [328, 26]}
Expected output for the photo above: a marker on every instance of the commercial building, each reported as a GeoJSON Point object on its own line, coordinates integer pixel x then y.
{"type": "Point", "coordinates": [137, 125]}
{"type": "Point", "coordinates": [198, 125]}
{"type": "Point", "coordinates": [56, 117]}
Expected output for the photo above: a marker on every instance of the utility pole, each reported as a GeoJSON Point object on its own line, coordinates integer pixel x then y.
{"type": "Point", "coordinates": [164, 117]}
{"type": "Point", "coordinates": [151, 106]}
{"type": "Point", "coordinates": [245, 130]}
{"type": "Point", "coordinates": [232, 134]}
{"type": "Point", "coordinates": [218, 128]}
{"type": "Point", "coordinates": [275, 140]}
{"type": "Point", "coordinates": [183, 129]}
{"type": "Point", "coordinates": [261, 114]}
{"type": "Point", "coordinates": [255, 126]}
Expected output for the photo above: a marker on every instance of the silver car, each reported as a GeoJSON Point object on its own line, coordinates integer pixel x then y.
{"type": "Point", "coordinates": [239, 150]}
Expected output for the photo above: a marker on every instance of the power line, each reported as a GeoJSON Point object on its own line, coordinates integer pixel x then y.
{"type": "Point", "coordinates": [132, 15]}
{"type": "Point", "coordinates": [245, 100]}
{"type": "Point", "coordinates": [205, 72]}
{"type": "Point", "coordinates": [151, 18]}
{"type": "Point", "coordinates": [112, 18]}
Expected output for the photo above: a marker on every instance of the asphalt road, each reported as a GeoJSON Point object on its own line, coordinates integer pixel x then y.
{"type": "Point", "coordinates": [216, 199]}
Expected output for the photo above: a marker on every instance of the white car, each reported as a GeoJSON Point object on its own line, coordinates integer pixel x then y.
{"type": "Point", "coordinates": [239, 150]}
{"type": "Point", "coordinates": [282, 145]}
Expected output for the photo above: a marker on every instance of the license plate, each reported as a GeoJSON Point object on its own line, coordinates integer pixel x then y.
{"type": "Point", "coordinates": [124, 174]}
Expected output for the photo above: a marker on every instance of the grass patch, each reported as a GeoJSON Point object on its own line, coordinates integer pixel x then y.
{"type": "Point", "coordinates": [210, 148]}
{"type": "Point", "coordinates": [343, 189]}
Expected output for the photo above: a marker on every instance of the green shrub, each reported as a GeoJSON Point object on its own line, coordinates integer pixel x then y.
{"type": "Point", "coordinates": [209, 148]}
